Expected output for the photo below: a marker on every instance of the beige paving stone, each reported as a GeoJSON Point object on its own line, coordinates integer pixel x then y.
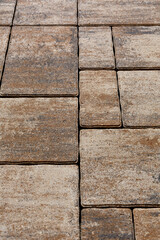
{"type": "Point", "coordinates": [119, 12]}
{"type": "Point", "coordinates": [4, 34]}
{"type": "Point", "coordinates": [147, 224]}
{"type": "Point", "coordinates": [42, 60]}
{"type": "Point", "coordinates": [140, 97]}
{"type": "Point", "coordinates": [6, 11]}
{"type": "Point", "coordinates": [38, 12]}
{"type": "Point", "coordinates": [106, 224]}
{"type": "Point", "coordinates": [39, 202]}
{"type": "Point", "coordinates": [120, 167]}
{"type": "Point", "coordinates": [95, 47]}
{"type": "Point", "coordinates": [137, 47]}
{"type": "Point", "coordinates": [38, 130]}
{"type": "Point", "coordinates": [99, 102]}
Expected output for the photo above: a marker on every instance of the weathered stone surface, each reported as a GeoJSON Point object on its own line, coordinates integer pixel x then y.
{"type": "Point", "coordinates": [35, 12]}
{"type": "Point", "coordinates": [6, 11]}
{"type": "Point", "coordinates": [42, 60]}
{"type": "Point", "coordinates": [119, 12]}
{"type": "Point", "coordinates": [99, 103]}
{"type": "Point", "coordinates": [107, 224]}
{"type": "Point", "coordinates": [147, 224]}
{"type": "Point", "coordinates": [39, 202]}
{"type": "Point", "coordinates": [137, 47]}
{"type": "Point", "coordinates": [120, 167]}
{"type": "Point", "coordinates": [4, 34]}
{"type": "Point", "coordinates": [140, 97]}
{"type": "Point", "coordinates": [38, 130]}
{"type": "Point", "coordinates": [95, 47]}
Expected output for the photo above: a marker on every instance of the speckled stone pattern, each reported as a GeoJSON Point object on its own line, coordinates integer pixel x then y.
{"type": "Point", "coordinates": [6, 11]}
{"type": "Point", "coordinates": [4, 34]}
{"type": "Point", "coordinates": [38, 130]}
{"type": "Point", "coordinates": [32, 202]}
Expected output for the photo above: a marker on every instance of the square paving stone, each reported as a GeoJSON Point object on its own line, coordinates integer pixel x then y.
{"type": "Point", "coordinates": [120, 167]}
{"type": "Point", "coordinates": [137, 47]}
{"type": "Point", "coordinates": [41, 61]}
{"type": "Point", "coordinates": [38, 130]}
{"type": "Point", "coordinates": [95, 47]}
{"type": "Point", "coordinates": [107, 224]}
{"type": "Point", "coordinates": [4, 35]}
{"type": "Point", "coordinates": [99, 102]}
{"type": "Point", "coordinates": [140, 97]}
{"type": "Point", "coordinates": [147, 224]}
{"type": "Point", "coordinates": [119, 12]}
{"type": "Point", "coordinates": [39, 202]}
{"type": "Point", "coordinates": [40, 12]}
{"type": "Point", "coordinates": [6, 11]}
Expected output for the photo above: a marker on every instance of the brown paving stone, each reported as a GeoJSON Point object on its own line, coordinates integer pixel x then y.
{"type": "Point", "coordinates": [147, 224]}
{"type": "Point", "coordinates": [140, 97]}
{"type": "Point", "coordinates": [99, 103]}
{"type": "Point", "coordinates": [39, 202]}
{"type": "Point", "coordinates": [42, 60]}
{"type": "Point", "coordinates": [35, 12]}
{"type": "Point", "coordinates": [95, 47]}
{"type": "Point", "coordinates": [106, 224]}
{"type": "Point", "coordinates": [119, 12]}
{"type": "Point", "coordinates": [137, 47]}
{"type": "Point", "coordinates": [4, 34]}
{"type": "Point", "coordinates": [6, 11]}
{"type": "Point", "coordinates": [38, 130]}
{"type": "Point", "coordinates": [120, 166]}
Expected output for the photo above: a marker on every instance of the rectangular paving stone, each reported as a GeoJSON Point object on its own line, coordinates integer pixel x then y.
{"type": "Point", "coordinates": [99, 102]}
{"type": "Point", "coordinates": [137, 47]}
{"type": "Point", "coordinates": [42, 61]}
{"type": "Point", "coordinates": [120, 167]}
{"type": "Point", "coordinates": [40, 12]}
{"type": "Point", "coordinates": [147, 224]}
{"type": "Point", "coordinates": [95, 47]}
{"type": "Point", "coordinates": [4, 35]}
{"type": "Point", "coordinates": [39, 202]}
{"type": "Point", "coordinates": [6, 11]}
{"type": "Point", "coordinates": [106, 224]}
{"type": "Point", "coordinates": [140, 97]}
{"type": "Point", "coordinates": [119, 12]}
{"type": "Point", "coordinates": [38, 130]}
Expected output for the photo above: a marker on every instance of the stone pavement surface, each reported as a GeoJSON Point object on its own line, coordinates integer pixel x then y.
{"type": "Point", "coordinates": [80, 119]}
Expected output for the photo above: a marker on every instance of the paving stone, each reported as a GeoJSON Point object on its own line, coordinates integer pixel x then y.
{"type": "Point", "coordinates": [38, 130]}
{"type": "Point", "coordinates": [106, 224]}
{"type": "Point", "coordinates": [99, 102]}
{"type": "Point", "coordinates": [147, 224]}
{"type": "Point", "coordinates": [39, 202]}
{"type": "Point", "coordinates": [140, 97]}
{"type": "Point", "coordinates": [95, 47]}
{"type": "Point", "coordinates": [119, 12]}
{"type": "Point", "coordinates": [137, 47]}
{"type": "Point", "coordinates": [39, 12]}
{"type": "Point", "coordinates": [6, 11]}
{"type": "Point", "coordinates": [120, 167]}
{"type": "Point", "coordinates": [4, 34]}
{"type": "Point", "coordinates": [42, 60]}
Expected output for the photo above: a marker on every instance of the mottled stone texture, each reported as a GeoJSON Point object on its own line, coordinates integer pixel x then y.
{"type": "Point", "coordinates": [147, 224]}
{"type": "Point", "coordinates": [41, 60]}
{"type": "Point", "coordinates": [4, 34]}
{"type": "Point", "coordinates": [38, 130]}
{"type": "Point", "coordinates": [99, 103]}
{"type": "Point", "coordinates": [116, 12]}
{"type": "Point", "coordinates": [107, 224]}
{"type": "Point", "coordinates": [39, 202]}
{"type": "Point", "coordinates": [120, 167]}
{"type": "Point", "coordinates": [95, 47]}
{"type": "Point", "coordinates": [35, 12]}
{"type": "Point", "coordinates": [6, 11]}
{"type": "Point", "coordinates": [140, 97]}
{"type": "Point", "coordinates": [137, 47]}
